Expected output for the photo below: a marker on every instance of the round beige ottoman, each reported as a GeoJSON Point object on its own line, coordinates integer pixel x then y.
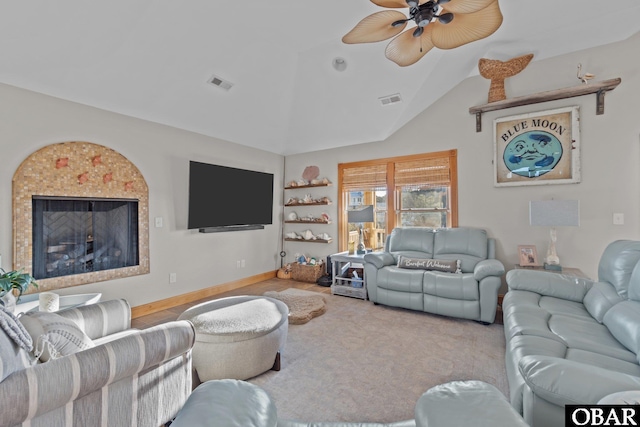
{"type": "Point", "coordinates": [237, 337]}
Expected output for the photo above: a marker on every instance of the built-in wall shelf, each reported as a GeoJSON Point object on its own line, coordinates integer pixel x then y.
{"type": "Point", "coordinates": [322, 184]}
{"type": "Point", "coordinates": [599, 88]}
{"type": "Point", "coordinates": [306, 221]}
{"type": "Point", "coordinates": [309, 204]}
{"type": "Point", "coordinates": [288, 239]}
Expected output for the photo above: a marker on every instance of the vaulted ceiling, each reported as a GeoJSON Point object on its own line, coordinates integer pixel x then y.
{"type": "Point", "coordinates": [152, 59]}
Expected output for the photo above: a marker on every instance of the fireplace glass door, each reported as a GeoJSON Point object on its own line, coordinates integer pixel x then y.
{"type": "Point", "coordinates": [74, 236]}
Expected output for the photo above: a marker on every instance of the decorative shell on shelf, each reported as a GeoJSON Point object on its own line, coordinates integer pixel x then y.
{"type": "Point", "coordinates": [323, 236]}
{"type": "Point", "coordinates": [292, 216]}
{"type": "Point", "coordinates": [307, 235]}
{"type": "Point", "coordinates": [310, 173]}
{"type": "Point", "coordinates": [292, 235]}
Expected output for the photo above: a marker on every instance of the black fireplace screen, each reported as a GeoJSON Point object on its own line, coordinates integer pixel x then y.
{"type": "Point", "coordinates": [73, 236]}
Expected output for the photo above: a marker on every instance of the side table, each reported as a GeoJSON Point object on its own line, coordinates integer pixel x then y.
{"type": "Point", "coordinates": [341, 282]}
{"type": "Point", "coordinates": [31, 302]}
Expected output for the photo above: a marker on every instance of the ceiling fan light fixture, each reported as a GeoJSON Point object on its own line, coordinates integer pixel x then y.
{"type": "Point", "coordinates": [445, 18]}
{"type": "Point", "coordinates": [423, 17]}
{"type": "Point", "coordinates": [340, 64]}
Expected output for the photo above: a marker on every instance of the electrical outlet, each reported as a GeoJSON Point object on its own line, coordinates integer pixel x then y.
{"type": "Point", "coordinates": [238, 264]}
{"type": "Point", "coordinates": [618, 219]}
{"type": "Point", "coordinates": [172, 278]}
{"type": "Point", "coordinates": [242, 264]}
{"type": "Point", "coordinates": [158, 222]}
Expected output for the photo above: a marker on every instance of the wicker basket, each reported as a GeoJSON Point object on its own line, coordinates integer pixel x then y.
{"type": "Point", "coordinates": [306, 273]}
{"type": "Point", "coordinates": [283, 273]}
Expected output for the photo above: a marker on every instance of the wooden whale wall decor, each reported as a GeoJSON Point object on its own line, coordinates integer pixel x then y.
{"type": "Point", "coordinates": [497, 71]}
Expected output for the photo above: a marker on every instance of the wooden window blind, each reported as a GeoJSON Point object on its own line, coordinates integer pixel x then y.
{"type": "Point", "coordinates": [433, 172]}
{"type": "Point", "coordinates": [364, 178]}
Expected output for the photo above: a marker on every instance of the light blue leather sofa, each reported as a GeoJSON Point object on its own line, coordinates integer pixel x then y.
{"type": "Point", "coordinates": [233, 403]}
{"type": "Point", "coordinates": [573, 341]}
{"type": "Point", "coordinates": [471, 294]}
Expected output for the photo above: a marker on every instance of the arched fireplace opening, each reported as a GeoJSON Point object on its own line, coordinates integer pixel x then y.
{"type": "Point", "coordinates": [80, 215]}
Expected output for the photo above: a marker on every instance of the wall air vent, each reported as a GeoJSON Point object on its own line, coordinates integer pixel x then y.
{"type": "Point", "coordinates": [221, 83]}
{"type": "Point", "coordinates": [391, 99]}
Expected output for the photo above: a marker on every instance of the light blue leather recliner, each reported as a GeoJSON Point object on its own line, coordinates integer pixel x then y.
{"type": "Point", "coordinates": [573, 341]}
{"type": "Point", "coordinates": [232, 403]}
{"type": "Point", "coordinates": [471, 294]}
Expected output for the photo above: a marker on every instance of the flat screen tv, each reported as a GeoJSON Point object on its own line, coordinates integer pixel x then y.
{"type": "Point", "coordinates": [222, 198]}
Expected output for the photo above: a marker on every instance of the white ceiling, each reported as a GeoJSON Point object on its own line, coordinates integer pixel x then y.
{"type": "Point", "coordinates": [152, 59]}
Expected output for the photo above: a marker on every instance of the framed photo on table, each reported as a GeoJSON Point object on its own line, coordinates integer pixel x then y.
{"type": "Point", "coordinates": [528, 256]}
{"type": "Point", "coordinates": [537, 148]}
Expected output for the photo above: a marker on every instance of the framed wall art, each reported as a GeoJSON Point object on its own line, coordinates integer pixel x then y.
{"type": "Point", "coordinates": [528, 256]}
{"type": "Point", "coordinates": [537, 148]}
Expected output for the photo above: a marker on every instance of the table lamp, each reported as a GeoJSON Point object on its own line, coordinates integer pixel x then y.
{"type": "Point", "coordinates": [554, 213]}
{"type": "Point", "coordinates": [360, 215]}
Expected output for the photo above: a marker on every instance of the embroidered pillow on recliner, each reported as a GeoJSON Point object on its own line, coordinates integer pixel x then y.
{"type": "Point", "coordinates": [448, 266]}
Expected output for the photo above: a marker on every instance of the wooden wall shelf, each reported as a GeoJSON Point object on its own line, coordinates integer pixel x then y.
{"type": "Point", "coordinates": [308, 204]}
{"type": "Point", "coordinates": [306, 221]}
{"type": "Point", "coordinates": [599, 88]}
{"type": "Point", "coordinates": [328, 184]}
{"type": "Point", "coordinates": [288, 239]}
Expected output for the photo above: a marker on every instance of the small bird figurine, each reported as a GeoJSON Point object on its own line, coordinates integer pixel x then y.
{"type": "Point", "coordinates": [584, 77]}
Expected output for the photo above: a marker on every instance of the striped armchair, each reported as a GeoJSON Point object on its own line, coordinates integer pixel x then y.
{"type": "Point", "coordinates": [130, 378]}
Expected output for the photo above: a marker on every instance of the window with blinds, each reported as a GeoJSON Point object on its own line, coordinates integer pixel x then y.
{"type": "Point", "coordinates": [423, 192]}
{"type": "Point", "coordinates": [409, 191]}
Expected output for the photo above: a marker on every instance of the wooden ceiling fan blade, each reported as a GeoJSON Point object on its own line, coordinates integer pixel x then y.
{"type": "Point", "coordinates": [467, 6]}
{"type": "Point", "coordinates": [467, 28]}
{"type": "Point", "coordinates": [390, 3]}
{"type": "Point", "coordinates": [375, 28]}
{"type": "Point", "coordinates": [406, 50]}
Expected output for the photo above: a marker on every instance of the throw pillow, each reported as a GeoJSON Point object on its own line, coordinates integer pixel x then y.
{"type": "Point", "coordinates": [54, 336]}
{"type": "Point", "coordinates": [448, 266]}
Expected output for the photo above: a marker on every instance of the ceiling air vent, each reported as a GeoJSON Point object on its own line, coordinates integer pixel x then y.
{"type": "Point", "coordinates": [221, 83]}
{"type": "Point", "coordinates": [391, 99]}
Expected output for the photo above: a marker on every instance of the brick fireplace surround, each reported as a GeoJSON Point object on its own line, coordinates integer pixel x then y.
{"type": "Point", "coordinates": [77, 169]}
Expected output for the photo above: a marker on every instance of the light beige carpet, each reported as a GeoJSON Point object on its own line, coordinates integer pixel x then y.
{"type": "Point", "coordinates": [303, 305]}
{"type": "Point", "coordinates": [366, 363]}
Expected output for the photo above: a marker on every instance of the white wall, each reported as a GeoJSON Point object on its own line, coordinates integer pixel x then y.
{"type": "Point", "coordinates": [610, 157]}
{"type": "Point", "coordinates": [30, 121]}
{"type": "Point", "coordinates": [610, 174]}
